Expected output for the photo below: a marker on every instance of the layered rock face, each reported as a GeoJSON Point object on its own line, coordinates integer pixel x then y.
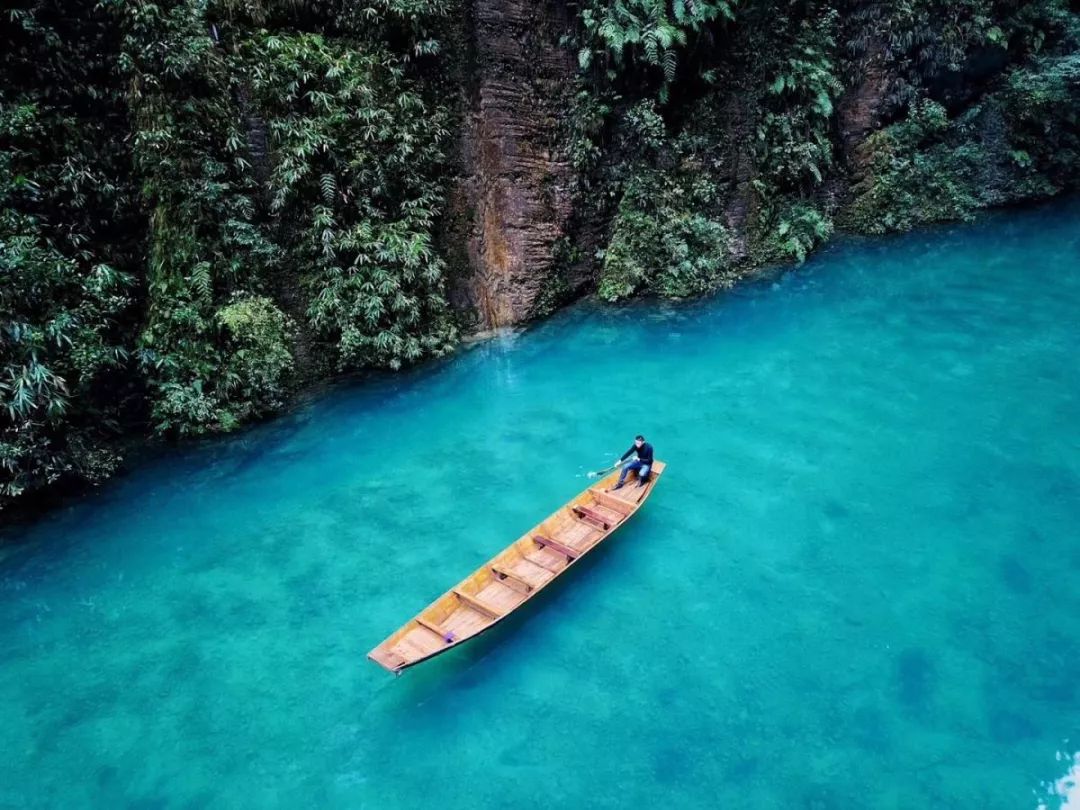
{"type": "Point", "coordinates": [525, 233]}
{"type": "Point", "coordinates": [514, 198]}
{"type": "Point", "coordinates": [514, 202]}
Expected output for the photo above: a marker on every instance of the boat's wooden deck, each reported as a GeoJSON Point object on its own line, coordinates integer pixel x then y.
{"type": "Point", "coordinates": [516, 574]}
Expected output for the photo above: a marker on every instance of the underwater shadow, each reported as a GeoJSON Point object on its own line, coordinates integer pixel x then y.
{"type": "Point", "coordinates": [473, 663]}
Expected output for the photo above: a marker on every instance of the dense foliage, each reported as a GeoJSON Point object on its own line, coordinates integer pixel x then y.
{"type": "Point", "coordinates": [201, 202]}
{"type": "Point", "coordinates": [356, 182]}
{"type": "Point", "coordinates": [650, 32]}
{"type": "Point", "coordinates": [69, 244]}
{"type": "Point", "coordinates": [205, 203]}
{"type": "Point", "coordinates": [668, 235]}
{"type": "Point", "coordinates": [978, 99]}
{"type": "Point", "coordinates": [665, 240]}
{"type": "Point", "coordinates": [1016, 141]}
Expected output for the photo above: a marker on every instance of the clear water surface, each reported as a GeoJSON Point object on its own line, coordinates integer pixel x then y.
{"type": "Point", "coordinates": [856, 586]}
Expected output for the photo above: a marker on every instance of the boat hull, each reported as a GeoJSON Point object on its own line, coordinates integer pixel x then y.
{"type": "Point", "coordinates": [517, 574]}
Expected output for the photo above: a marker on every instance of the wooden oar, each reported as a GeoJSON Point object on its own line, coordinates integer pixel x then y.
{"type": "Point", "coordinates": [612, 468]}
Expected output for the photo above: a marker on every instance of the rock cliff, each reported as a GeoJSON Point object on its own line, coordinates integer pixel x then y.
{"type": "Point", "coordinates": [513, 201]}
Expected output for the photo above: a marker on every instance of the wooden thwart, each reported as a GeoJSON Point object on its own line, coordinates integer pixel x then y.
{"type": "Point", "coordinates": [555, 545]}
{"type": "Point", "coordinates": [512, 579]}
{"type": "Point", "coordinates": [477, 605]}
{"type": "Point", "coordinates": [513, 576]}
{"type": "Point", "coordinates": [438, 629]}
{"type": "Point", "coordinates": [592, 516]}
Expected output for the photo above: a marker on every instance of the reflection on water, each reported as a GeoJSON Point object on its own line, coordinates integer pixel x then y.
{"type": "Point", "coordinates": [1063, 792]}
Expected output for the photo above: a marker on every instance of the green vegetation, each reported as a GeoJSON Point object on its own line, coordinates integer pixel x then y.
{"type": "Point", "coordinates": [799, 228]}
{"type": "Point", "coordinates": [193, 192]}
{"type": "Point", "coordinates": [207, 240]}
{"type": "Point", "coordinates": [668, 236]}
{"type": "Point", "coordinates": [69, 246]}
{"type": "Point", "coordinates": [965, 105]}
{"type": "Point", "coordinates": [206, 203]}
{"type": "Point", "coordinates": [649, 32]}
{"type": "Point", "coordinates": [357, 183]}
{"type": "Point", "coordinates": [1019, 142]}
{"type": "Point", "coordinates": [665, 240]}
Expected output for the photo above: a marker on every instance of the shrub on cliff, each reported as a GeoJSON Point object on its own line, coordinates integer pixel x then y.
{"type": "Point", "coordinates": [358, 184]}
{"type": "Point", "coordinates": [1042, 106]}
{"type": "Point", "coordinates": [648, 32]}
{"type": "Point", "coordinates": [913, 175]}
{"type": "Point", "coordinates": [665, 239]}
{"type": "Point", "coordinates": [1019, 142]}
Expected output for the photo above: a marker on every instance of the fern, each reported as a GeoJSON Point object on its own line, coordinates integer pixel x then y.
{"type": "Point", "coordinates": [669, 66]}
{"type": "Point", "coordinates": [649, 29]}
{"type": "Point", "coordinates": [201, 282]}
{"type": "Point", "coordinates": [328, 187]}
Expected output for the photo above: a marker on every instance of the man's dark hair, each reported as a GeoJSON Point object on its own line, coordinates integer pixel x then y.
{"type": "Point", "coordinates": [639, 438]}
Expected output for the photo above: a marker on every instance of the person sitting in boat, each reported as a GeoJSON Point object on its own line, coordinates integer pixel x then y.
{"type": "Point", "coordinates": [641, 465]}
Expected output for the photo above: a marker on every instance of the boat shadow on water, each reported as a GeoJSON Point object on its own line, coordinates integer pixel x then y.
{"type": "Point", "coordinates": [503, 646]}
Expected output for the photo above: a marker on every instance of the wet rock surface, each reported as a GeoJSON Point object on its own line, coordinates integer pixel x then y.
{"type": "Point", "coordinates": [514, 198]}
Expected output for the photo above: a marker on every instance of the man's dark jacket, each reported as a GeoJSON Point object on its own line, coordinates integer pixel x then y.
{"type": "Point", "coordinates": [644, 453]}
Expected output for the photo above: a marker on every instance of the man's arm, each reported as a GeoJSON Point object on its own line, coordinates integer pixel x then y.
{"type": "Point", "coordinates": [628, 453]}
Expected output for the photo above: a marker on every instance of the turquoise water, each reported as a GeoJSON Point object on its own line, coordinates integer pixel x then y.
{"type": "Point", "coordinates": [855, 586]}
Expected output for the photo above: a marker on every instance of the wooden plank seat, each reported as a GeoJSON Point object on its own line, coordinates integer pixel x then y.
{"type": "Point", "coordinates": [592, 516]}
{"type": "Point", "coordinates": [555, 545]}
{"type": "Point", "coordinates": [612, 516]}
{"type": "Point", "coordinates": [446, 635]}
{"type": "Point", "coordinates": [477, 605]}
{"type": "Point", "coordinates": [515, 581]}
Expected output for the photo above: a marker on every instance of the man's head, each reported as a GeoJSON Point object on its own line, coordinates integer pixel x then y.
{"type": "Point", "coordinates": [638, 441]}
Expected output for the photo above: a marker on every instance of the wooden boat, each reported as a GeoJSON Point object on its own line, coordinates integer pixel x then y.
{"type": "Point", "coordinates": [515, 575]}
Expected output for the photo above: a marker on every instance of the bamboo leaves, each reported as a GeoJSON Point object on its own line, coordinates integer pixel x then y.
{"type": "Point", "coordinates": [68, 227]}
{"type": "Point", "coordinates": [374, 280]}
{"type": "Point", "coordinates": [329, 188]}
